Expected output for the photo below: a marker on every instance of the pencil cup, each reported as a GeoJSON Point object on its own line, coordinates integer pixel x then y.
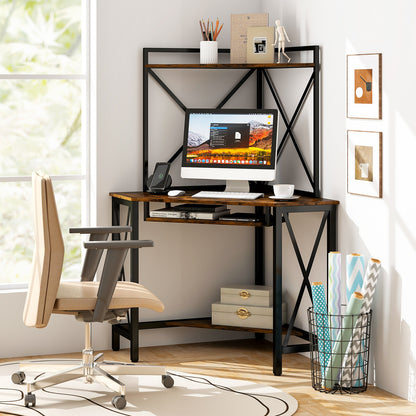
{"type": "Point", "coordinates": [208, 52]}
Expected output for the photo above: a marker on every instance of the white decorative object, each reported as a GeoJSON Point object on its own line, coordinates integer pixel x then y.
{"type": "Point", "coordinates": [280, 40]}
{"type": "Point", "coordinates": [208, 52]}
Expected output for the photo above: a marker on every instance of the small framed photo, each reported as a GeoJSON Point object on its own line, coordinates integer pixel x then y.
{"type": "Point", "coordinates": [260, 47]}
{"type": "Point", "coordinates": [364, 86]}
{"type": "Point", "coordinates": [364, 163]}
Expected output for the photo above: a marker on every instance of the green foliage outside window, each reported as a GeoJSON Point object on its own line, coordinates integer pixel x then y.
{"type": "Point", "coordinates": [40, 123]}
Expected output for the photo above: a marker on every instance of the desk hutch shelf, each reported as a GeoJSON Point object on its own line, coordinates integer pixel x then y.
{"type": "Point", "coordinates": [271, 213]}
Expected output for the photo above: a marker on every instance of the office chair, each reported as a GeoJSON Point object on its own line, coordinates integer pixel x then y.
{"type": "Point", "coordinates": [90, 301]}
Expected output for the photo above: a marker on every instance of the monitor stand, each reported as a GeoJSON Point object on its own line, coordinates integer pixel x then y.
{"type": "Point", "coordinates": [237, 186]}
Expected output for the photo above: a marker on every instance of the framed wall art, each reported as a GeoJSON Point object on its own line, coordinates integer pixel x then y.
{"type": "Point", "coordinates": [364, 163]}
{"type": "Point", "coordinates": [364, 86]}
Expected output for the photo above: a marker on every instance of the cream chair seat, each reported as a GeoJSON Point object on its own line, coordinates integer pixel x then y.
{"type": "Point", "coordinates": [82, 296]}
{"type": "Point", "coordinates": [90, 301]}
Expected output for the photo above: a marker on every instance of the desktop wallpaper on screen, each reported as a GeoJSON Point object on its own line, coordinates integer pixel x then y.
{"type": "Point", "coordinates": [229, 139]}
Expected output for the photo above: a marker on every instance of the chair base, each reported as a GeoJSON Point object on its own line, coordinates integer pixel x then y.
{"type": "Point", "coordinates": [90, 370]}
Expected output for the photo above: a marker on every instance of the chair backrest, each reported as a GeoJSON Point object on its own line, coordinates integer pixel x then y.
{"type": "Point", "coordinates": [48, 255]}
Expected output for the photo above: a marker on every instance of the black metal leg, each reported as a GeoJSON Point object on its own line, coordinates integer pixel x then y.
{"type": "Point", "coordinates": [115, 339]}
{"type": "Point", "coordinates": [277, 292]}
{"type": "Point", "coordinates": [115, 220]}
{"type": "Point", "coordinates": [134, 335]}
{"type": "Point", "coordinates": [259, 277]}
{"type": "Point", "coordinates": [259, 252]}
{"type": "Point", "coordinates": [134, 277]}
{"type": "Point", "coordinates": [332, 238]}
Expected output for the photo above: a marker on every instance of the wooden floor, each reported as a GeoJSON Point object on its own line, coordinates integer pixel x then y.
{"type": "Point", "coordinates": [252, 360]}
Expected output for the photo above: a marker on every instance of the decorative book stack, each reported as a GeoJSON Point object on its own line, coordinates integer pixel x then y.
{"type": "Point", "coordinates": [249, 306]}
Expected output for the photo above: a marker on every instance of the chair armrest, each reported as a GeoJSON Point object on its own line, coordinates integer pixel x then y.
{"type": "Point", "coordinates": [100, 230]}
{"type": "Point", "coordinates": [114, 260]}
{"type": "Point", "coordinates": [118, 245]}
{"type": "Point", "coordinates": [92, 258]}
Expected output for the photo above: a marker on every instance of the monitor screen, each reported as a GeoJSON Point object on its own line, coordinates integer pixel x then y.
{"type": "Point", "coordinates": [230, 144]}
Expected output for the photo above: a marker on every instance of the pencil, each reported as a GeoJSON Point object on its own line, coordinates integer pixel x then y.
{"type": "Point", "coordinates": [206, 32]}
{"type": "Point", "coordinates": [219, 30]}
{"type": "Point", "coordinates": [202, 31]}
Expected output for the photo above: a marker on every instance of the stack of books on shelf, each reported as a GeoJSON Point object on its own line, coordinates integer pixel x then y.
{"type": "Point", "coordinates": [191, 211]}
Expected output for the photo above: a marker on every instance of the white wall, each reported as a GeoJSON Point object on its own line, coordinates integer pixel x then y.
{"type": "Point", "coordinates": [177, 268]}
{"type": "Point", "coordinates": [381, 228]}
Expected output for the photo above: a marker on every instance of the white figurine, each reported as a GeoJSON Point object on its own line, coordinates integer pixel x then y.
{"type": "Point", "coordinates": [280, 37]}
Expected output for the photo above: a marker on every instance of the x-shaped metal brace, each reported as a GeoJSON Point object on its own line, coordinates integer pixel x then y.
{"type": "Point", "coordinates": [305, 271]}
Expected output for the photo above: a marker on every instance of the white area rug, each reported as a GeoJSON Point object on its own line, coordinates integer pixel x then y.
{"type": "Point", "coordinates": [191, 395]}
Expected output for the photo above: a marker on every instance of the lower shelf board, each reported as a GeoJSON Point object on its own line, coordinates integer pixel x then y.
{"type": "Point", "coordinates": [206, 323]}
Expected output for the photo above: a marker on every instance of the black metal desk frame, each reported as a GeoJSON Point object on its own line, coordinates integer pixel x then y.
{"type": "Point", "coordinates": [274, 216]}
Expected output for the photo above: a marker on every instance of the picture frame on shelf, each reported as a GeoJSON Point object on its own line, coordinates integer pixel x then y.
{"type": "Point", "coordinates": [364, 92]}
{"type": "Point", "coordinates": [238, 42]}
{"type": "Point", "coordinates": [364, 163]}
{"type": "Point", "coordinates": [260, 48]}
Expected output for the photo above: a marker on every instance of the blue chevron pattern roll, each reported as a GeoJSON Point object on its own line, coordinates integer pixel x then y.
{"type": "Point", "coordinates": [322, 325]}
{"type": "Point", "coordinates": [355, 274]}
{"type": "Point", "coordinates": [352, 371]}
{"type": "Point", "coordinates": [334, 291]}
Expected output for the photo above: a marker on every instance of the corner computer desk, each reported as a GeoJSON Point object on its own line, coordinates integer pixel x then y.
{"type": "Point", "coordinates": [271, 213]}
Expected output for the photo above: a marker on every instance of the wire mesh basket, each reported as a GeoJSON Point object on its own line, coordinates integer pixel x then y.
{"type": "Point", "coordinates": [340, 346]}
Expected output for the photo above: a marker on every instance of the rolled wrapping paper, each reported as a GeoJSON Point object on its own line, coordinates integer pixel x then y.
{"type": "Point", "coordinates": [322, 325]}
{"type": "Point", "coordinates": [344, 336]}
{"type": "Point", "coordinates": [355, 274]}
{"type": "Point", "coordinates": [334, 291]}
{"type": "Point", "coordinates": [350, 369]}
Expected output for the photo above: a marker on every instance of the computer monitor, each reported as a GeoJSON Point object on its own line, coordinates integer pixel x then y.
{"type": "Point", "coordinates": [234, 145]}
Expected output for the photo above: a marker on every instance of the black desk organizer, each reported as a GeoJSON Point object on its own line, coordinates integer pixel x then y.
{"type": "Point", "coordinates": [274, 216]}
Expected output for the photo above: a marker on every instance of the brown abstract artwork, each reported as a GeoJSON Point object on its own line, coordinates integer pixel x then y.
{"type": "Point", "coordinates": [363, 86]}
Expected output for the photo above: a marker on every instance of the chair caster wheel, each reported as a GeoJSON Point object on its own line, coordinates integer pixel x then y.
{"type": "Point", "coordinates": [119, 402]}
{"type": "Point", "coordinates": [18, 377]}
{"type": "Point", "coordinates": [30, 400]}
{"type": "Point", "coordinates": [168, 381]}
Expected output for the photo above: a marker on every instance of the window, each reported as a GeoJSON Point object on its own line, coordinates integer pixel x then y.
{"type": "Point", "coordinates": [44, 124]}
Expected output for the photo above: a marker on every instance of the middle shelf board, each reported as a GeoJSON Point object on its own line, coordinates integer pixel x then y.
{"type": "Point", "coordinates": [229, 66]}
{"type": "Point", "coordinates": [217, 222]}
